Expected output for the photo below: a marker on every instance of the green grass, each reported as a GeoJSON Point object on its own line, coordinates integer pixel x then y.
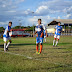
{"type": "Point", "coordinates": [52, 59]}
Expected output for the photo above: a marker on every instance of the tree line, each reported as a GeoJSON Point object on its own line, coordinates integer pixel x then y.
{"type": "Point", "coordinates": [29, 28]}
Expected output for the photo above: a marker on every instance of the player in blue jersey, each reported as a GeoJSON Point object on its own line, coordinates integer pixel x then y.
{"type": "Point", "coordinates": [45, 32]}
{"type": "Point", "coordinates": [6, 36]}
{"type": "Point", "coordinates": [40, 35]}
{"type": "Point", "coordinates": [58, 30]}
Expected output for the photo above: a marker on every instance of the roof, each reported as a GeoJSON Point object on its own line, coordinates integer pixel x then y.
{"type": "Point", "coordinates": [63, 21]}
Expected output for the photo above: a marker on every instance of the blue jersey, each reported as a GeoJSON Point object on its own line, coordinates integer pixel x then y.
{"type": "Point", "coordinates": [40, 28]}
{"type": "Point", "coordinates": [6, 34]}
{"type": "Point", "coordinates": [58, 29]}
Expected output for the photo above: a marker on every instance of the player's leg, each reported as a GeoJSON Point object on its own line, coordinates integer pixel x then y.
{"type": "Point", "coordinates": [8, 43]}
{"type": "Point", "coordinates": [37, 44]}
{"type": "Point", "coordinates": [58, 37]}
{"type": "Point", "coordinates": [5, 42]}
{"type": "Point", "coordinates": [55, 36]}
{"type": "Point", "coordinates": [41, 45]}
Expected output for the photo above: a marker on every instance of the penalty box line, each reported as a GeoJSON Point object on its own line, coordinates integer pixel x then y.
{"type": "Point", "coordinates": [31, 58]}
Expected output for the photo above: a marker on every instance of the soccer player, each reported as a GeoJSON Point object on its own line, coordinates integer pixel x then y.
{"type": "Point", "coordinates": [6, 36]}
{"type": "Point", "coordinates": [45, 32]}
{"type": "Point", "coordinates": [40, 35]}
{"type": "Point", "coordinates": [58, 30]}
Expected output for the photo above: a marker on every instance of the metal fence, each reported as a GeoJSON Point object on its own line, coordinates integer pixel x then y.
{"type": "Point", "coordinates": [62, 34]}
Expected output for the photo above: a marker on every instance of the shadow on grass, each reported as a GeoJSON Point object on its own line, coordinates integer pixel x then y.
{"type": "Point", "coordinates": [58, 43]}
{"type": "Point", "coordinates": [23, 44]}
{"type": "Point", "coordinates": [52, 68]}
{"type": "Point", "coordinates": [1, 46]}
{"type": "Point", "coordinates": [59, 48]}
{"type": "Point", "coordinates": [64, 43]}
{"type": "Point", "coordinates": [55, 48]}
{"type": "Point", "coordinates": [55, 68]}
{"type": "Point", "coordinates": [22, 50]}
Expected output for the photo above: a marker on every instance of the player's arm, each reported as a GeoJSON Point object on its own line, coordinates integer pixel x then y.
{"type": "Point", "coordinates": [8, 31]}
{"type": "Point", "coordinates": [61, 29]}
{"type": "Point", "coordinates": [46, 33]}
{"type": "Point", "coordinates": [55, 28]}
{"type": "Point", "coordinates": [45, 30]}
{"type": "Point", "coordinates": [34, 33]}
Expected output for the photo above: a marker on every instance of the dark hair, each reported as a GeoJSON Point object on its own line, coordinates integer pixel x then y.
{"type": "Point", "coordinates": [59, 22]}
{"type": "Point", "coordinates": [39, 19]}
{"type": "Point", "coordinates": [10, 22]}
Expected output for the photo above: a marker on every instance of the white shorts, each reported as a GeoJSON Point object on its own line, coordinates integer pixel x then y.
{"type": "Point", "coordinates": [5, 39]}
{"type": "Point", "coordinates": [44, 36]}
{"type": "Point", "coordinates": [57, 36]}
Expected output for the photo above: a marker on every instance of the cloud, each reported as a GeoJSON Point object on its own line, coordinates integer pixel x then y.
{"type": "Point", "coordinates": [9, 6]}
{"type": "Point", "coordinates": [45, 19]}
{"type": "Point", "coordinates": [68, 16]}
{"type": "Point", "coordinates": [10, 10]}
{"type": "Point", "coordinates": [42, 10]}
{"type": "Point", "coordinates": [59, 17]}
{"type": "Point", "coordinates": [54, 6]}
{"type": "Point", "coordinates": [4, 23]}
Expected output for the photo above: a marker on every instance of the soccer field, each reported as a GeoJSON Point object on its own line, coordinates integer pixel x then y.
{"type": "Point", "coordinates": [22, 56]}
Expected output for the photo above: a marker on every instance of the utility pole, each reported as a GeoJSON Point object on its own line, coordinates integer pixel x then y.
{"type": "Point", "coordinates": [33, 23]}
{"type": "Point", "coordinates": [20, 24]}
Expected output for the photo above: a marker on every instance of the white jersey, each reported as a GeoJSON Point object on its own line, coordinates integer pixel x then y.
{"type": "Point", "coordinates": [6, 34]}
{"type": "Point", "coordinates": [39, 29]}
{"type": "Point", "coordinates": [58, 28]}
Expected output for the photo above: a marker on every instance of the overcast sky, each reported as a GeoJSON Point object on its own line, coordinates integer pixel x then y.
{"type": "Point", "coordinates": [22, 11]}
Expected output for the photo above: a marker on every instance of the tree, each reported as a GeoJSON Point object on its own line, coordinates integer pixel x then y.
{"type": "Point", "coordinates": [2, 29]}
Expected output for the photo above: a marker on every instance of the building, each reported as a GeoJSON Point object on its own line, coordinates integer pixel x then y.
{"type": "Point", "coordinates": [66, 23]}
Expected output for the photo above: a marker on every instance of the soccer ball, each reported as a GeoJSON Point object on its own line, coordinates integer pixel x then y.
{"type": "Point", "coordinates": [10, 33]}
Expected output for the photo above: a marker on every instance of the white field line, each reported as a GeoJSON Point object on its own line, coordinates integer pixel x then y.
{"type": "Point", "coordinates": [17, 54]}
{"type": "Point", "coordinates": [35, 58]}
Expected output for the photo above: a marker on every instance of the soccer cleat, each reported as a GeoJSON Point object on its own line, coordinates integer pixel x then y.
{"type": "Point", "coordinates": [6, 49]}
{"type": "Point", "coordinates": [53, 45]}
{"type": "Point", "coordinates": [36, 52]}
{"type": "Point", "coordinates": [39, 53]}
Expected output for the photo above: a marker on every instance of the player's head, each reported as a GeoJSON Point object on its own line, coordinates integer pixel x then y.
{"type": "Point", "coordinates": [39, 21]}
{"type": "Point", "coordinates": [10, 23]}
{"type": "Point", "coordinates": [59, 23]}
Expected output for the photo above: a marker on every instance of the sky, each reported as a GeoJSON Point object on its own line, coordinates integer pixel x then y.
{"type": "Point", "coordinates": [27, 12]}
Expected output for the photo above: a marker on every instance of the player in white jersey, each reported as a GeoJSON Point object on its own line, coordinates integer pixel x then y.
{"type": "Point", "coordinates": [6, 36]}
{"type": "Point", "coordinates": [58, 30]}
